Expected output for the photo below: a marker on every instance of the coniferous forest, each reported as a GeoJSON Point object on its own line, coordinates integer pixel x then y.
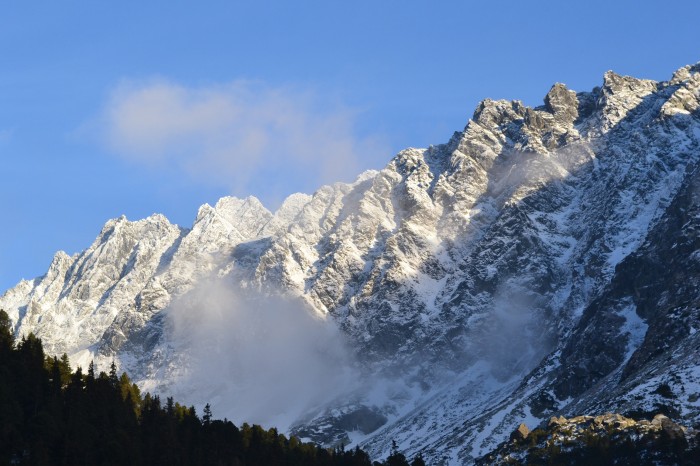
{"type": "Point", "coordinates": [50, 415]}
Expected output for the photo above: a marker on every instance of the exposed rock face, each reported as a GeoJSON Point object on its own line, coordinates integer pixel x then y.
{"type": "Point", "coordinates": [562, 103]}
{"type": "Point", "coordinates": [544, 260]}
{"type": "Point", "coordinates": [604, 439]}
{"type": "Point", "coordinates": [520, 433]}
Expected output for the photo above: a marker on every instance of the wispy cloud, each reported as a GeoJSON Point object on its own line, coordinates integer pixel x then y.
{"type": "Point", "coordinates": [256, 358]}
{"type": "Point", "coordinates": [234, 135]}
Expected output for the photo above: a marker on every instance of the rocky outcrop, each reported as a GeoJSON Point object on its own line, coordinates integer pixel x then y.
{"type": "Point", "coordinates": [603, 439]}
{"type": "Point", "coordinates": [520, 433]}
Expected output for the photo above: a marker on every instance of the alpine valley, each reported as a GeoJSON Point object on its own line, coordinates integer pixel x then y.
{"type": "Point", "coordinates": [543, 262]}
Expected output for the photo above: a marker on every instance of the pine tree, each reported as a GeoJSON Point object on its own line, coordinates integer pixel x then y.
{"type": "Point", "coordinates": [91, 371]}
{"type": "Point", "coordinates": [170, 406]}
{"type": "Point", "coordinates": [113, 379]}
{"type": "Point", "coordinates": [7, 340]}
{"type": "Point", "coordinates": [418, 460]}
{"type": "Point", "coordinates": [396, 458]}
{"type": "Point", "coordinates": [66, 371]}
{"type": "Point", "coordinates": [206, 418]}
{"type": "Point", "coordinates": [56, 380]}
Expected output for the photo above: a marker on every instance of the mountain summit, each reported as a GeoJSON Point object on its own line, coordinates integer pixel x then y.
{"type": "Point", "coordinates": [544, 261]}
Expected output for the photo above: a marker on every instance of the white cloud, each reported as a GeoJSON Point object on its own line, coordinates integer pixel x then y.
{"type": "Point", "coordinates": [236, 134]}
{"type": "Point", "coordinates": [256, 358]}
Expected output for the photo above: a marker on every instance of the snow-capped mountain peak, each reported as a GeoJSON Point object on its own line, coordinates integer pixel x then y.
{"type": "Point", "coordinates": [498, 278]}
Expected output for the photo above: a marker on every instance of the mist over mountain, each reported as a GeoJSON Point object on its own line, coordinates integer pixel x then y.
{"type": "Point", "coordinates": [543, 261]}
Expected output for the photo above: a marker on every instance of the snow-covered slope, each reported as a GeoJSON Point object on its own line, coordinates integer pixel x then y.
{"type": "Point", "coordinates": [544, 259]}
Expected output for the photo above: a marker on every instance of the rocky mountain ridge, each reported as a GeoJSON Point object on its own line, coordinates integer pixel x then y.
{"type": "Point", "coordinates": [544, 260]}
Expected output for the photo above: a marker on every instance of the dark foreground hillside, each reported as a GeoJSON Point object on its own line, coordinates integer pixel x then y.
{"type": "Point", "coordinates": [50, 415]}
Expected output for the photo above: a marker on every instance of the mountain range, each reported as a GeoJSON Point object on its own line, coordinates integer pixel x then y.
{"type": "Point", "coordinates": [544, 261]}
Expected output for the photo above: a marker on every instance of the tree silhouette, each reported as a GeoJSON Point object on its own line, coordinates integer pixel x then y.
{"type": "Point", "coordinates": [7, 340]}
{"type": "Point", "coordinates": [206, 418]}
{"type": "Point", "coordinates": [50, 416]}
{"type": "Point", "coordinates": [396, 458]}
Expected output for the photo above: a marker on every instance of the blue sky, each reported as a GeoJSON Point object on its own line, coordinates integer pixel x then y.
{"type": "Point", "coordinates": [141, 107]}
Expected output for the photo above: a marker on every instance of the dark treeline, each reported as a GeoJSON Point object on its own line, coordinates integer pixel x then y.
{"type": "Point", "coordinates": [50, 415]}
